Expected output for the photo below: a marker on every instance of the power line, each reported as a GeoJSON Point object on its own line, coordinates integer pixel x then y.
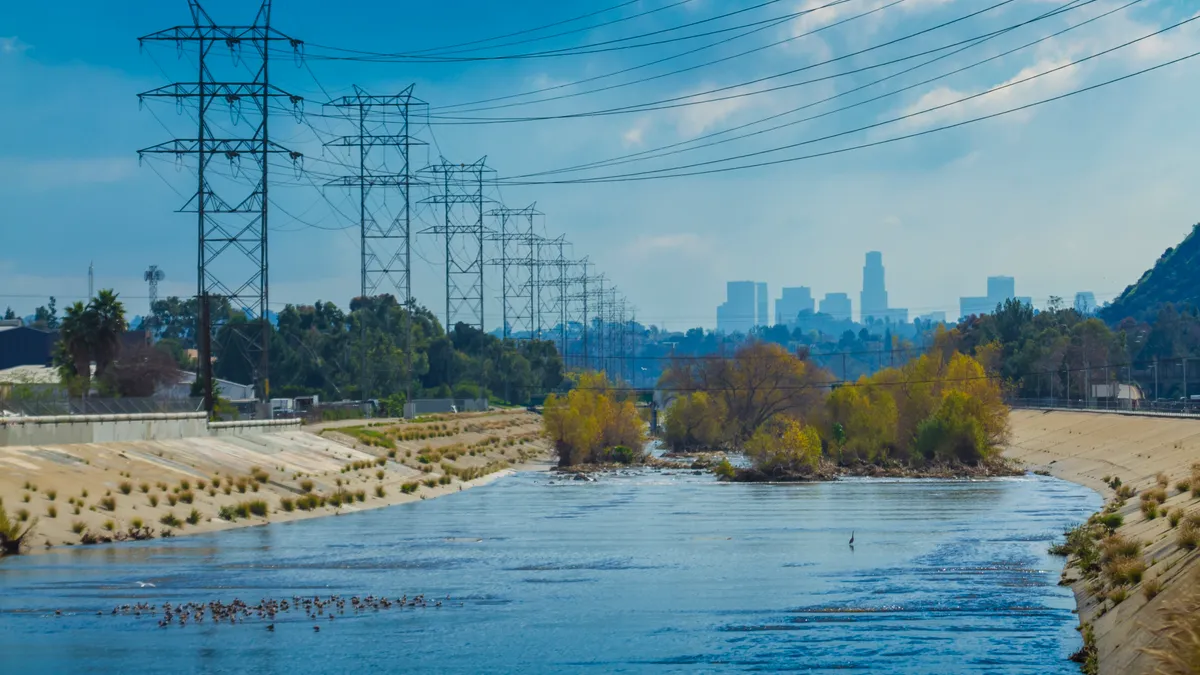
{"type": "Point", "coordinates": [662, 173]}
{"type": "Point", "coordinates": [661, 151]}
{"type": "Point", "coordinates": [675, 101]}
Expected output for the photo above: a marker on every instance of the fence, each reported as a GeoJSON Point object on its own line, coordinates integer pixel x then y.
{"type": "Point", "coordinates": [53, 407]}
{"type": "Point", "coordinates": [435, 406]}
{"type": "Point", "coordinates": [1138, 407]}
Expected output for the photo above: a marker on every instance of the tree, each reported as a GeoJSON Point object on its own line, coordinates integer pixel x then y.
{"type": "Point", "coordinates": [590, 421]}
{"type": "Point", "coordinates": [9, 314]}
{"type": "Point", "coordinates": [696, 420]}
{"type": "Point", "coordinates": [762, 380]}
{"type": "Point", "coordinates": [46, 316]}
{"type": "Point", "coordinates": [867, 416]}
{"type": "Point", "coordinates": [75, 345]}
{"type": "Point", "coordinates": [139, 372]}
{"type": "Point", "coordinates": [108, 326]}
{"type": "Point", "coordinates": [956, 432]}
{"type": "Point", "coordinates": [784, 447]}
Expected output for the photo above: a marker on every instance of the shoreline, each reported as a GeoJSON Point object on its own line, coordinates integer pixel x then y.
{"type": "Point", "coordinates": [123, 485]}
{"type": "Point", "coordinates": [1085, 447]}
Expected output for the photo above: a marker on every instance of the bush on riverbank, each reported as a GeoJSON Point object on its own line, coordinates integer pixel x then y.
{"type": "Point", "coordinates": [14, 534]}
{"type": "Point", "coordinates": [590, 421]}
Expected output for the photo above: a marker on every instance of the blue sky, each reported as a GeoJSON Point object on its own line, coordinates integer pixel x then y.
{"type": "Point", "coordinates": [1082, 194]}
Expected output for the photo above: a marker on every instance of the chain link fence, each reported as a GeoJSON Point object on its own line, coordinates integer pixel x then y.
{"type": "Point", "coordinates": [1139, 406]}
{"type": "Point", "coordinates": [49, 406]}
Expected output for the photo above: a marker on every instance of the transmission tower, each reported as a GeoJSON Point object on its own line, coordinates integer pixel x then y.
{"type": "Point", "coordinates": [547, 282]}
{"type": "Point", "coordinates": [517, 245]}
{"type": "Point", "coordinates": [577, 310]}
{"type": "Point", "coordinates": [384, 238]}
{"type": "Point", "coordinates": [464, 235]}
{"type": "Point", "coordinates": [232, 233]}
{"type": "Point", "coordinates": [153, 276]}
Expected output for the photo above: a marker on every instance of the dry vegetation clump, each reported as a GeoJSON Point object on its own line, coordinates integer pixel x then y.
{"type": "Point", "coordinates": [1177, 650]}
{"type": "Point", "coordinates": [14, 535]}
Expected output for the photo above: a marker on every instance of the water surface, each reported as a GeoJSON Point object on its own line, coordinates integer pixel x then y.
{"type": "Point", "coordinates": [639, 573]}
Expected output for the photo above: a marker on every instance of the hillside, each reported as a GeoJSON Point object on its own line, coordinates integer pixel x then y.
{"type": "Point", "coordinates": [1175, 278]}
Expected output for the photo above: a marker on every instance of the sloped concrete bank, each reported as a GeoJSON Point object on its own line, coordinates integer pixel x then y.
{"type": "Point", "coordinates": [1086, 447]}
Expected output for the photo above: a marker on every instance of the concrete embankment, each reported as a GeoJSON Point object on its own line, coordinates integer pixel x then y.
{"type": "Point", "coordinates": [106, 488]}
{"type": "Point", "coordinates": [1085, 447]}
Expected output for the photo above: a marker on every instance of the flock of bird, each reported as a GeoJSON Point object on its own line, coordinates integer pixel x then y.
{"type": "Point", "coordinates": [315, 608]}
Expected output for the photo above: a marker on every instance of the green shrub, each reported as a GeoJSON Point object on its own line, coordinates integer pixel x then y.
{"type": "Point", "coordinates": [1183, 485]}
{"type": "Point", "coordinates": [724, 470]}
{"type": "Point", "coordinates": [108, 503]}
{"type": "Point", "coordinates": [1174, 516]}
{"type": "Point", "coordinates": [1118, 594]}
{"type": "Point", "coordinates": [287, 504]}
{"type": "Point", "coordinates": [185, 484]}
{"type": "Point", "coordinates": [108, 525]}
{"type": "Point", "coordinates": [78, 526]}
{"type": "Point", "coordinates": [621, 454]}
{"type": "Point", "coordinates": [187, 497]}
{"type": "Point", "coordinates": [51, 511]}
{"type": "Point", "coordinates": [23, 515]}
{"type": "Point", "coordinates": [409, 488]}
{"type": "Point", "coordinates": [380, 492]}
{"type": "Point", "coordinates": [25, 498]}
{"type": "Point", "coordinates": [144, 487]}
{"type": "Point", "coordinates": [51, 494]}
{"type": "Point", "coordinates": [172, 500]}
{"type": "Point", "coordinates": [153, 500]}
{"type": "Point", "coordinates": [257, 507]}
{"type": "Point", "coordinates": [137, 523]}
{"type": "Point", "coordinates": [193, 517]}
{"type": "Point", "coordinates": [360, 495]}
{"type": "Point", "coordinates": [170, 520]}
{"type": "Point", "coordinates": [125, 487]}
{"type": "Point", "coordinates": [306, 485]}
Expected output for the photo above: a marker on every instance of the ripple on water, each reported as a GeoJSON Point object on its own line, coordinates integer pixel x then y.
{"type": "Point", "coordinates": [658, 573]}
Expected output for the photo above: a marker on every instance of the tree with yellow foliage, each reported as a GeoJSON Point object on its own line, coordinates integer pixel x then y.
{"type": "Point", "coordinates": [695, 421]}
{"type": "Point", "coordinates": [867, 416]}
{"type": "Point", "coordinates": [784, 448]}
{"type": "Point", "coordinates": [590, 421]}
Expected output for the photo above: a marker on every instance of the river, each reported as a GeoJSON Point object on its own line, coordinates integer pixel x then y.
{"type": "Point", "coordinates": [646, 572]}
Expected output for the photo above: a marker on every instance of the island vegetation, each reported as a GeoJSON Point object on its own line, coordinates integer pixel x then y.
{"type": "Point", "coordinates": [941, 412]}
{"type": "Point", "coordinates": [594, 423]}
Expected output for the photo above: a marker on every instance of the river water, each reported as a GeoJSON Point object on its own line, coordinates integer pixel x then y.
{"type": "Point", "coordinates": [657, 572]}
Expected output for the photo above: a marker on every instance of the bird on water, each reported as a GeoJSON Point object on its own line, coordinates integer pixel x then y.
{"type": "Point", "coordinates": [851, 537]}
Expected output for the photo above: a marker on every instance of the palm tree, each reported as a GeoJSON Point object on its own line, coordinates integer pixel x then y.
{"type": "Point", "coordinates": [108, 327]}
{"type": "Point", "coordinates": [76, 334]}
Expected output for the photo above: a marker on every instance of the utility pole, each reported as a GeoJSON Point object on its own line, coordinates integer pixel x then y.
{"type": "Point", "coordinates": [385, 240]}
{"type": "Point", "coordinates": [232, 260]}
{"type": "Point", "coordinates": [516, 242]}
{"type": "Point", "coordinates": [462, 187]}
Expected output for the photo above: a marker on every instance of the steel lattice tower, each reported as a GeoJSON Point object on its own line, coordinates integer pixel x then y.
{"type": "Point", "coordinates": [232, 260]}
{"type": "Point", "coordinates": [577, 310]}
{"type": "Point", "coordinates": [517, 246]}
{"type": "Point", "coordinates": [385, 242]}
{"type": "Point", "coordinates": [461, 185]}
{"type": "Point", "coordinates": [553, 303]}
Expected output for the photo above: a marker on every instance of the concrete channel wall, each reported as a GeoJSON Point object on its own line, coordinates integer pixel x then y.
{"type": "Point", "coordinates": [68, 429]}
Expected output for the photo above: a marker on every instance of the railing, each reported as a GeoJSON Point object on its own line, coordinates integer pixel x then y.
{"type": "Point", "coordinates": [43, 407]}
{"type": "Point", "coordinates": [1163, 408]}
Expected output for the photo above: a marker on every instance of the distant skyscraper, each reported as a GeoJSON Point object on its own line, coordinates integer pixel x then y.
{"type": "Point", "coordinates": [737, 313]}
{"type": "Point", "coordinates": [933, 317]}
{"type": "Point", "coordinates": [873, 302]}
{"type": "Point", "coordinates": [1085, 303]}
{"type": "Point", "coordinates": [793, 301]}
{"type": "Point", "coordinates": [837, 305]}
{"type": "Point", "coordinates": [763, 304]}
{"type": "Point", "coordinates": [1000, 290]}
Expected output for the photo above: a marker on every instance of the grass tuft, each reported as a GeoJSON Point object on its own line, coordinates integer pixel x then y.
{"type": "Point", "coordinates": [78, 527]}
{"type": "Point", "coordinates": [170, 520]}
{"type": "Point", "coordinates": [193, 517]}
{"type": "Point", "coordinates": [108, 503]}
{"type": "Point", "coordinates": [125, 487]}
{"type": "Point", "coordinates": [287, 504]}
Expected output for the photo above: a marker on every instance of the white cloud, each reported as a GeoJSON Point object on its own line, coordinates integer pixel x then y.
{"type": "Point", "coordinates": [635, 135]}
{"type": "Point", "coordinates": [12, 46]}
{"type": "Point", "coordinates": [693, 120]}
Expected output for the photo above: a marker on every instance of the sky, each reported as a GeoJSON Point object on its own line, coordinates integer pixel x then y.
{"type": "Point", "coordinates": [1082, 193]}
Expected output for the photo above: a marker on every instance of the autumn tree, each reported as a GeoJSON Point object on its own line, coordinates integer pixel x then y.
{"type": "Point", "coordinates": [590, 421]}
{"type": "Point", "coordinates": [761, 380]}
{"type": "Point", "coordinates": [867, 416]}
{"type": "Point", "coordinates": [695, 421]}
{"type": "Point", "coordinates": [784, 447]}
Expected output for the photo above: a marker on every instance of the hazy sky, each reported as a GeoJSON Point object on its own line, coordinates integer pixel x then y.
{"type": "Point", "coordinates": [1079, 194]}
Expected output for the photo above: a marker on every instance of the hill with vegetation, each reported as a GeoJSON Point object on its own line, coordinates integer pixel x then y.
{"type": "Point", "coordinates": [1174, 279]}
